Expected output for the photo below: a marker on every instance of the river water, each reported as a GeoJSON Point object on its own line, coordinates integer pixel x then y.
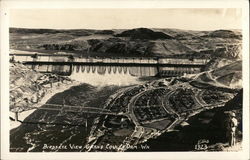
{"type": "Point", "coordinates": [59, 131]}
{"type": "Point", "coordinates": [53, 130]}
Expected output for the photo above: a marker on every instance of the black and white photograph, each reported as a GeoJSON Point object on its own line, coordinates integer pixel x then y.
{"type": "Point", "coordinates": [126, 80]}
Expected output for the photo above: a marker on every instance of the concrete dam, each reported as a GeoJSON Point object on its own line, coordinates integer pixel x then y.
{"type": "Point", "coordinates": [139, 67]}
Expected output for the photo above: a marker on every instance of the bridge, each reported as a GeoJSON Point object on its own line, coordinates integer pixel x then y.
{"type": "Point", "coordinates": [107, 61]}
{"type": "Point", "coordinates": [71, 109]}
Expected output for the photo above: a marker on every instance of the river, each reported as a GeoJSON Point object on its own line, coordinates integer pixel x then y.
{"type": "Point", "coordinates": [65, 128]}
{"type": "Point", "coordinates": [59, 131]}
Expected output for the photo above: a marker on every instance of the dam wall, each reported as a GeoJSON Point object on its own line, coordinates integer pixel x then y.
{"type": "Point", "coordinates": [144, 66]}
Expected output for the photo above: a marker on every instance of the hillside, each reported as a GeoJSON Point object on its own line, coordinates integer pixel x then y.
{"type": "Point", "coordinates": [133, 42]}
{"type": "Point", "coordinates": [144, 33]}
{"type": "Point", "coordinates": [28, 87]}
{"type": "Point", "coordinates": [228, 76]}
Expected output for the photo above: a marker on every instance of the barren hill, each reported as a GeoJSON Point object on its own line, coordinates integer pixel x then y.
{"type": "Point", "coordinates": [144, 33]}
{"type": "Point", "coordinates": [224, 34]}
{"type": "Point", "coordinates": [133, 42]}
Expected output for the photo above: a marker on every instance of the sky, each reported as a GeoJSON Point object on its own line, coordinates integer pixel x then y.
{"type": "Point", "coordinates": [181, 18]}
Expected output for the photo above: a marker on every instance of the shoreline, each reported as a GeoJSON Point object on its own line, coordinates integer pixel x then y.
{"type": "Point", "coordinates": [51, 92]}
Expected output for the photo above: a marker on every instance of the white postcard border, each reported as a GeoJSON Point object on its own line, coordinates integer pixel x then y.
{"type": "Point", "coordinates": [11, 4]}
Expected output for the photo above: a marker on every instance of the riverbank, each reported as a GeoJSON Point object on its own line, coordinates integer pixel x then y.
{"type": "Point", "coordinates": [60, 87]}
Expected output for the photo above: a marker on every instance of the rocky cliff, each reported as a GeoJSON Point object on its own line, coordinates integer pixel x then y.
{"type": "Point", "coordinates": [28, 87]}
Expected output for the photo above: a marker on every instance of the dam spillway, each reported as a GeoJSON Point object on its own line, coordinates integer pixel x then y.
{"type": "Point", "coordinates": [138, 71]}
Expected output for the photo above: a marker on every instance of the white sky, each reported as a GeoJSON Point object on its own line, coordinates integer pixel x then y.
{"type": "Point", "coordinates": [192, 19]}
